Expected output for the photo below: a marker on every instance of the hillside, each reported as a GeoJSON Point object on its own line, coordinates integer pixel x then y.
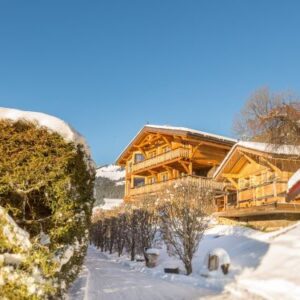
{"type": "Point", "coordinates": [109, 183]}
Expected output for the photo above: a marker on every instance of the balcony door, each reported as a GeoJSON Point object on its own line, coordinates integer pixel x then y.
{"type": "Point", "coordinates": [138, 157]}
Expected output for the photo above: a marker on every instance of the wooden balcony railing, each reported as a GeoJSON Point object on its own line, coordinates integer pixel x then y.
{"type": "Point", "coordinates": [203, 182]}
{"type": "Point", "coordinates": [161, 158]}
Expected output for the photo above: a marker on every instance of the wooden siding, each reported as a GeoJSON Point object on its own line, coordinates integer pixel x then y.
{"type": "Point", "coordinates": [255, 181]}
{"type": "Point", "coordinates": [263, 210]}
{"type": "Point", "coordinates": [163, 158]}
{"type": "Point", "coordinates": [159, 186]}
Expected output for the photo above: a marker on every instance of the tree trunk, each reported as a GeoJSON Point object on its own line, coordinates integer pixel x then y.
{"type": "Point", "coordinates": [132, 251]}
{"type": "Point", "coordinates": [188, 268]}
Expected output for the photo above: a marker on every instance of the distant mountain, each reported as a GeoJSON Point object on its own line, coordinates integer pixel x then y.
{"type": "Point", "coordinates": [109, 183]}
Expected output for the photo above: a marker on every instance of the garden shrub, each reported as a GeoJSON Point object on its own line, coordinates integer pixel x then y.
{"type": "Point", "coordinates": [46, 187]}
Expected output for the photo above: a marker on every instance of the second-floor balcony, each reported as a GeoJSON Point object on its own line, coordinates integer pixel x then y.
{"type": "Point", "coordinates": [163, 158]}
{"type": "Point", "coordinates": [202, 182]}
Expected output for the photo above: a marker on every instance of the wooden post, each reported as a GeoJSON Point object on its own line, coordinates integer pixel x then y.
{"type": "Point", "coordinates": [190, 168]}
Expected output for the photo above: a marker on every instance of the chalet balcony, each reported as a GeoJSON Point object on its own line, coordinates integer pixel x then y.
{"type": "Point", "coordinates": [203, 182]}
{"type": "Point", "coordinates": [163, 158]}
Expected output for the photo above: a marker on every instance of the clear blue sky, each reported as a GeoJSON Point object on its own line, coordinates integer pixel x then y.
{"type": "Point", "coordinates": [108, 67]}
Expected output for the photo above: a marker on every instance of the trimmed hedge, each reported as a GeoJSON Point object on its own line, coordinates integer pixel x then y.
{"type": "Point", "coordinates": [46, 186]}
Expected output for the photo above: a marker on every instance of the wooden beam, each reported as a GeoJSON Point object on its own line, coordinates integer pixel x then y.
{"type": "Point", "coordinates": [190, 168]}
{"type": "Point", "coordinates": [166, 140]}
{"type": "Point", "coordinates": [206, 162]}
{"type": "Point", "coordinates": [229, 175]}
{"type": "Point", "coordinates": [186, 168]}
{"type": "Point", "coordinates": [167, 168]}
{"type": "Point", "coordinates": [153, 172]}
{"type": "Point", "coordinates": [141, 150]}
{"type": "Point", "coordinates": [251, 160]}
{"type": "Point", "coordinates": [275, 168]}
{"type": "Point", "coordinates": [194, 149]}
{"type": "Point", "coordinates": [213, 144]}
{"type": "Point", "coordinates": [232, 181]}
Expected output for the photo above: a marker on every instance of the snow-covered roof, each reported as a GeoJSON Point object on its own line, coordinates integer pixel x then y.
{"type": "Point", "coordinates": [52, 123]}
{"type": "Point", "coordinates": [185, 129]}
{"type": "Point", "coordinates": [269, 148]}
{"type": "Point", "coordinates": [294, 180]}
{"type": "Point", "coordinates": [180, 129]}
{"type": "Point", "coordinates": [261, 147]}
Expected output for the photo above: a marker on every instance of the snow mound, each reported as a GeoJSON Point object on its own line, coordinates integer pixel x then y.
{"type": "Point", "coordinates": [153, 251]}
{"type": "Point", "coordinates": [223, 259]}
{"type": "Point", "coordinates": [52, 123]}
{"type": "Point", "coordinates": [112, 172]}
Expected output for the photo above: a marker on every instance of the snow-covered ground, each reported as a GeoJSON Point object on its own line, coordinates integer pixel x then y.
{"type": "Point", "coordinates": [108, 204]}
{"type": "Point", "coordinates": [104, 279]}
{"type": "Point", "coordinates": [263, 266]}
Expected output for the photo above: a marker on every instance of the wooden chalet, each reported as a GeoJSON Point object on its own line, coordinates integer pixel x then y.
{"type": "Point", "coordinates": [162, 155]}
{"type": "Point", "coordinates": [257, 175]}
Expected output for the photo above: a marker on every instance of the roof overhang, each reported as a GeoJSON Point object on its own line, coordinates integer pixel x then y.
{"type": "Point", "coordinates": [261, 149]}
{"type": "Point", "coordinates": [177, 131]}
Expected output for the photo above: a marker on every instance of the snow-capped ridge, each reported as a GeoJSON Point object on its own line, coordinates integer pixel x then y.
{"type": "Point", "coordinates": [112, 172]}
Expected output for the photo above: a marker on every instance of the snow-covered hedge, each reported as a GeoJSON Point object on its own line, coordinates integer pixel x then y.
{"type": "Point", "coordinates": [46, 195]}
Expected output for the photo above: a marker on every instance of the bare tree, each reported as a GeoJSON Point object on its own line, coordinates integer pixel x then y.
{"type": "Point", "coordinates": [120, 233]}
{"type": "Point", "coordinates": [269, 117]}
{"type": "Point", "coordinates": [148, 224]}
{"type": "Point", "coordinates": [132, 223]}
{"type": "Point", "coordinates": [184, 212]}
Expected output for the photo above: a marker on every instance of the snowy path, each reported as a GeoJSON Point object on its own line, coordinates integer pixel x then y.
{"type": "Point", "coordinates": [102, 279]}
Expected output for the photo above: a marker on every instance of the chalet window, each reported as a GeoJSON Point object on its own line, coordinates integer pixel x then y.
{"type": "Point", "coordinates": [232, 198]}
{"type": "Point", "coordinates": [138, 182]}
{"type": "Point", "coordinates": [138, 157]}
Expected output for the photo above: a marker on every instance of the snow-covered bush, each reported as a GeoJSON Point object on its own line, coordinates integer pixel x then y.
{"type": "Point", "coordinates": [46, 186]}
{"type": "Point", "coordinates": [21, 274]}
